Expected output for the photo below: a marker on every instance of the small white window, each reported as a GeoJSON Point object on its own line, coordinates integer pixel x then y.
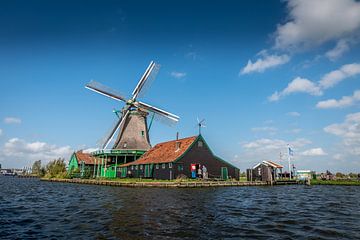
{"type": "Point", "coordinates": [170, 165]}
{"type": "Point", "coordinates": [157, 166]}
{"type": "Point", "coordinates": [163, 166]}
{"type": "Point", "coordinates": [125, 145]}
{"type": "Point", "coordinates": [200, 144]}
{"type": "Point", "coordinates": [132, 167]}
{"type": "Point", "coordinates": [141, 167]}
{"type": "Point", "coordinates": [136, 167]}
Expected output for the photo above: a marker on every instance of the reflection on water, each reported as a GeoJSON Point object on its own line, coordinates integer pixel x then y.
{"type": "Point", "coordinates": [33, 209]}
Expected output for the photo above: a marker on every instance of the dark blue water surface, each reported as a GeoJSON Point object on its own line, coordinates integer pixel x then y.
{"type": "Point", "coordinates": [33, 209]}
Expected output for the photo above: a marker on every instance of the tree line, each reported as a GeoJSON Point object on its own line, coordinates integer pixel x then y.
{"type": "Point", "coordinates": [55, 168]}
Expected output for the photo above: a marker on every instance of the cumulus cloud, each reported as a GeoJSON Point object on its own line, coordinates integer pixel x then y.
{"type": "Point", "coordinates": [178, 75]}
{"type": "Point", "coordinates": [345, 101]}
{"type": "Point", "coordinates": [18, 152]}
{"type": "Point", "coordinates": [334, 77]}
{"type": "Point", "coordinates": [341, 47]}
{"type": "Point", "coordinates": [12, 120]}
{"type": "Point", "coordinates": [313, 152]}
{"type": "Point", "coordinates": [293, 114]}
{"type": "Point", "coordinates": [309, 24]}
{"type": "Point", "coordinates": [261, 64]}
{"type": "Point", "coordinates": [298, 85]}
{"type": "Point", "coordinates": [349, 132]}
{"type": "Point", "coordinates": [315, 22]}
{"type": "Point", "coordinates": [303, 85]}
{"type": "Point", "coordinates": [265, 144]}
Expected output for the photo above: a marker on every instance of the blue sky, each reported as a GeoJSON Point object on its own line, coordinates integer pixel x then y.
{"type": "Point", "coordinates": [263, 74]}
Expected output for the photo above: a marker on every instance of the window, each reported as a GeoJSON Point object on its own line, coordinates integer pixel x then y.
{"type": "Point", "coordinates": [163, 166]}
{"type": "Point", "coordinates": [142, 133]}
{"type": "Point", "coordinates": [132, 167]}
{"type": "Point", "coordinates": [136, 167]}
{"type": "Point", "coordinates": [200, 144]}
{"type": "Point", "coordinates": [157, 166]}
{"type": "Point", "coordinates": [170, 165]}
{"type": "Point", "coordinates": [180, 167]}
{"type": "Point", "coordinates": [125, 144]}
{"type": "Point", "coordinates": [141, 167]}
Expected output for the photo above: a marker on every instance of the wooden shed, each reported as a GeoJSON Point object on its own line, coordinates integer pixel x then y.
{"type": "Point", "coordinates": [264, 171]}
{"type": "Point", "coordinates": [188, 157]}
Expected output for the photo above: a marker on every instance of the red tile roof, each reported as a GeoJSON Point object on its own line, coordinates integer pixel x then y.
{"type": "Point", "coordinates": [86, 157]}
{"type": "Point", "coordinates": [164, 152]}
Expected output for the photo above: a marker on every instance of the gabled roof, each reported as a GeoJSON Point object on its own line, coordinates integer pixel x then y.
{"type": "Point", "coordinates": [269, 163]}
{"type": "Point", "coordinates": [273, 164]}
{"type": "Point", "coordinates": [165, 152]}
{"type": "Point", "coordinates": [85, 157]}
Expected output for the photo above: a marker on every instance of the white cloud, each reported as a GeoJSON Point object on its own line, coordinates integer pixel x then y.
{"type": "Point", "coordinates": [345, 101]}
{"type": "Point", "coordinates": [1, 131]}
{"type": "Point", "coordinates": [334, 77]}
{"type": "Point", "coordinates": [303, 85]}
{"type": "Point", "coordinates": [12, 120]}
{"type": "Point", "coordinates": [298, 85]}
{"type": "Point", "coordinates": [90, 150]}
{"type": "Point", "coordinates": [265, 129]}
{"type": "Point", "coordinates": [341, 47]}
{"type": "Point", "coordinates": [268, 61]}
{"type": "Point", "coordinates": [18, 152]}
{"type": "Point", "coordinates": [178, 75]}
{"type": "Point", "coordinates": [349, 132]}
{"type": "Point", "coordinates": [313, 152]}
{"type": "Point", "coordinates": [315, 22]}
{"type": "Point", "coordinates": [293, 114]}
{"type": "Point", "coordinates": [265, 144]}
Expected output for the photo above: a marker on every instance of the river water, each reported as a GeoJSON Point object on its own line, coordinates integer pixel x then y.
{"type": "Point", "coordinates": [31, 209]}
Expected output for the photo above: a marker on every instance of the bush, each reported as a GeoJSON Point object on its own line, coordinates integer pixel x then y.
{"type": "Point", "coordinates": [56, 168]}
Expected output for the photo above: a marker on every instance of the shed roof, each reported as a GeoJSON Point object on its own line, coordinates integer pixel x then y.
{"type": "Point", "coordinates": [85, 157]}
{"type": "Point", "coordinates": [269, 163]}
{"type": "Point", "coordinates": [165, 152]}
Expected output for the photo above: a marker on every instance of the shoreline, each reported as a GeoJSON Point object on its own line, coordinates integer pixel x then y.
{"type": "Point", "coordinates": [158, 184]}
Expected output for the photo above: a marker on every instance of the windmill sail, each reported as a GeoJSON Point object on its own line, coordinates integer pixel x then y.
{"type": "Point", "coordinates": [104, 90]}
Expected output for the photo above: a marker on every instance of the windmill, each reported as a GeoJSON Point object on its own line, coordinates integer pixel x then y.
{"type": "Point", "coordinates": [200, 124]}
{"type": "Point", "coordinates": [131, 126]}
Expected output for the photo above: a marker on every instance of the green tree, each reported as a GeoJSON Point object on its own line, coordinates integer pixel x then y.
{"type": "Point", "coordinates": [339, 175]}
{"type": "Point", "coordinates": [36, 168]}
{"type": "Point", "coordinates": [56, 168]}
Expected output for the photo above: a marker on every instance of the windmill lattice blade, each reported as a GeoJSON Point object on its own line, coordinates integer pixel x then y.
{"type": "Point", "coordinates": [104, 90]}
{"type": "Point", "coordinates": [115, 129]}
{"type": "Point", "coordinates": [158, 111]}
{"type": "Point", "coordinates": [142, 80]}
{"type": "Point", "coordinates": [149, 81]}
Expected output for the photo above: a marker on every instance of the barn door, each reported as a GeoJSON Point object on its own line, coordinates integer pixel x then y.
{"type": "Point", "coordinates": [147, 170]}
{"type": "Point", "coordinates": [224, 173]}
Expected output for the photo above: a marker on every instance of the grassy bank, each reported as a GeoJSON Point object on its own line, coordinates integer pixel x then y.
{"type": "Point", "coordinates": [336, 182]}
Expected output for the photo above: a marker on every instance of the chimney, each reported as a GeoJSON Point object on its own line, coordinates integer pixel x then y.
{"type": "Point", "coordinates": [177, 136]}
{"type": "Point", "coordinates": [177, 146]}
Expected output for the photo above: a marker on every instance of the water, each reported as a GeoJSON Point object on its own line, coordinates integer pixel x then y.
{"type": "Point", "coordinates": [33, 209]}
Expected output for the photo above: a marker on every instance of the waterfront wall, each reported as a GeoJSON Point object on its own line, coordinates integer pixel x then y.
{"type": "Point", "coordinates": [184, 184]}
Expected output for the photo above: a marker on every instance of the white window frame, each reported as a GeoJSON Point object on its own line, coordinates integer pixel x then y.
{"type": "Point", "coordinates": [170, 165]}
{"type": "Point", "coordinates": [163, 166]}
{"type": "Point", "coordinates": [141, 167]}
{"type": "Point", "coordinates": [157, 166]}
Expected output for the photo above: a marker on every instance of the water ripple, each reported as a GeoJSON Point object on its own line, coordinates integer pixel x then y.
{"type": "Point", "coordinates": [30, 209]}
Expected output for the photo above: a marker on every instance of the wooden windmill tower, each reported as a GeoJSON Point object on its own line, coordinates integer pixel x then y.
{"type": "Point", "coordinates": [132, 128]}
